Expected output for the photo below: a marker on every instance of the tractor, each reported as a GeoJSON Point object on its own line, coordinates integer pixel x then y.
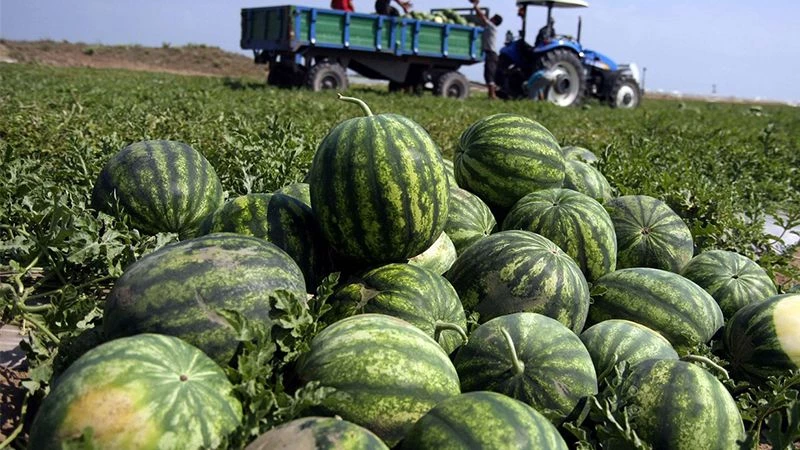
{"type": "Point", "coordinates": [575, 72]}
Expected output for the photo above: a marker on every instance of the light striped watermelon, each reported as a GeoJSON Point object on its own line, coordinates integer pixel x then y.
{"type": "Point", "coordinates": [611, 342]}
{"type": "Point", "coordinates": [282, 220]}
{"type": "Point", "coordinates": [575, 222]}
{"type": "Point", "coordinates": [387, 373]}
{"type": "Point", "coordinates": [468, 220]}
{"type": "Point", "coordinates": [300, 191]}
{"type": "Point", "coordinates": [680, 406]}
{"type": "Point", "coordinates": [574, 153]}
{"type": "Point", "coordinates": [164, 186]}
{"type": "Point", "coordinates": [449, 170]}
{"type": "Point", "coordinates": [503, 157]}
{"type": "Point", "coordinates": [519, 271]}
{"type": "Point", "coordinates": [649, 234]}
{"type": "Point", "coordinates": [144, 392]}
{"type": "Point", "coordinates": [378, 188]}
{"type": "Point", "coordinates": [585, 179]}
{"type": "Point", "coordinates": [763, 338]}
{"type": "Point", "coordinates": [439, 257]}
{"type": "Point", "coordinates": [532, 358]}
{"type": "Point", "coordinates": [483, 420]}
{"type": "Point", "coordinates": [414, 294]}
{"type": "Point", "coordinates": [666, 302]}
{"type": "Point", "coordinates": [732, 279]}
{"type": "Point", "coordinates": [178, 289]}
{"type": "Point", "coordinates": [318, 433]}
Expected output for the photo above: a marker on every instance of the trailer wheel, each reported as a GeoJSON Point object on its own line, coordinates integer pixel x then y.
{"type": "Point", "coordinates": [327, 75]}
{"type": "Point", "coordinates": [451, 84]}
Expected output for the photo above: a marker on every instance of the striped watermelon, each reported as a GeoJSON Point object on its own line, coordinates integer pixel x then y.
{"type": "Point", "coordinates": [439, 257]}
{"type": "Point", "coordinates": [575, 222]}
{"type": "Point", "coordinates": [585, 179]}
{"type": "Point", "coordinates": [468, 219]}
{"type": "Point", "coordinates": [732, 279]}
{"type": "Point", "coordinates": [519, 271]}
{"type": "Point", "coordinates": [282, 220]}
{"type": "Point", "coordinates": [503, 157]}
{"type": "Point", "coordinates": [679, 406]}
{"type": "Point", "coordinates": [763, 338]}
{"type": "Point", "coordinates": [666, 302]}
{"type": "Point", "coordinates": [483, 420]}
{"type": "Point", "coordinates": [378, 188]}
{"type": "Point", "coordinates": [164, 186]}
{"type": "Point", "coordinates": [144, 392]}
{"type": "Point", "coordinates": [178, 289]}
{"type": "Point", "coordinates": [613, 341]}
{"type": "Point", "coordinates": [449, 170]}
{"type": "Point", "coordinates": [318, 433]}
{"type": "Point", "coordinates": [387, 373]}
{"type": "Point", "coordinates": [300, 191]}
{"type": "Point", "coordinates": [579, 154]}
{"type": "Point", "coordinates": [414, 294]}
{"type": "Point", "coordinates": [532, 358]}
{"type": "Point", "coordinates": [649, 234]}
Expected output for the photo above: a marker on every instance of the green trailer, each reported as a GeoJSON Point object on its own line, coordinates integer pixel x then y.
{"type": "Point", "coordinates": [314, 47]}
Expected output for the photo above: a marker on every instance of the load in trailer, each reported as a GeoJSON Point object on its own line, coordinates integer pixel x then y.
{"type": "Point", "coordinates": [314, 47]}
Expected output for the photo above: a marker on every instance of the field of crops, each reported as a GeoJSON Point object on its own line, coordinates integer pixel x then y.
{"type": "Point", "coordinates": [723, 168]}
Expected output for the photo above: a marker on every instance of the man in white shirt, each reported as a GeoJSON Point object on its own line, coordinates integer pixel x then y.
{"type": "Point", "coordinates": [489, 42]}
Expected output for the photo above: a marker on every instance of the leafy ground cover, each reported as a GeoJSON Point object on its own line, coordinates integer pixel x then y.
{"type": "Point", "coordinates": [724, 168]}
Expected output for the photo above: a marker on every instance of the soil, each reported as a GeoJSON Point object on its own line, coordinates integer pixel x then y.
{"type": "Point", "coordinates": [187, 60]}
{"type": "Point", "coordinates": [11, 396]}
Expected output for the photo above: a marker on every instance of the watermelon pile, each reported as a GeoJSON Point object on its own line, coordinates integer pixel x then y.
{"type": "Point", "coordinates": [483, 302]}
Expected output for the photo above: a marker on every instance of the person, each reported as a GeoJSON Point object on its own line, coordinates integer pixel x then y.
{"type": "Point", "coordinates": [343, 5]}
{"type": "Point", "coordinates": [546, 33]}
{"type": "Point", "coordinates": [489, 40]}
{"type": "Point", "coordinates": [385, 8]}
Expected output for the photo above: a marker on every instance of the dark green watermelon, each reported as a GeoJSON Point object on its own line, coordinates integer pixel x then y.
{"type": "Point", "coordinates": [532, 358]}
{"type": "Point", "coordinates": [468, 220]}
{"type": "Point", "coordinates": [516, 271]}
{"type": "Point", "coordinates": [164, 186]}
{"type": "Point", "coordinates": [379, 189]}
{"type": "Point", "coordinates": [585, 179]}
{"type": "Point", "coordinates": [178, 289]}
{"type": "Point", "coordinates": [318, 433]}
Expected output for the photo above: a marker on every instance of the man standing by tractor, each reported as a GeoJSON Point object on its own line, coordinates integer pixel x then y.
{"type": "Point", "coordinates": [489, 41]}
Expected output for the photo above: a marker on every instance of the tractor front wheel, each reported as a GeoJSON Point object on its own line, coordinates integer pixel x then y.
{"type": "Point", "coordinates": [625, 94]}
{"type": "Point", "coordinates": [570, 84]}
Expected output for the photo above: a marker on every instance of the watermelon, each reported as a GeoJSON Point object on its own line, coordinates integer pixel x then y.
{"type": "Point", "coordinates": [178, 289]}
{"type": "Point", "coordinates": [677, 405]}
{"type": "Point", "coordinates": [532, 358]}
{"type": "Point", "coordinates": [146, 392]}
{"type": "Point", "coordinates": [282, 220]}
{"type": "Point", "coordinates": [575, 222]}
{"type": "Point", "coordinates": [415, 294]}
{"type": "Point", "coordinates": [478, 420]}
{"type": "Point", "coordinates": [519, 271]}
{"type": "Point", "coordinates": [300, 191]}
{"type": "Point", "coordinates": [649, 234]}
{"type": "Point", "coordinates": [581, 154]}
{"type": "Point", "coordinates": [163, 186]}
{"type": "Point", "coordinates": [666, 302]}
{"type": "Point", "coordinates": [468, 219]}
{"type": "Point", "coordinates": [378, 188]}
{"type": "Point", "coordinates": [585, 179]}
{"type": "Point", "coordinates": [763, 338]}
{"type": "Point", "coordinates": [439, 257]}
{"type": "Point", "coordinates": [613, 341]}
{"type": "Point", "coordinates": [449, 170]}
{"type": "Point", "coordinates": [503, 157]}
{"type": "Point", "coordinates": [733, 280]}
{"type": "Point", "coordinates": [387, 373]}
{"type": "Point", "coordinates": [318, 433]}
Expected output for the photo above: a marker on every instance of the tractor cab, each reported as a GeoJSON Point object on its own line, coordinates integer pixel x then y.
{"type": "Point", "coordinates": [574, 71]}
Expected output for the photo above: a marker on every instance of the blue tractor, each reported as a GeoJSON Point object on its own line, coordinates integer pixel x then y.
{"type": "Point", "coordinates": [573, 71]}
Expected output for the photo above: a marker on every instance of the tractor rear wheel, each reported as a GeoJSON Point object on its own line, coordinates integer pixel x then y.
{"type": "Point", "coordinates": [327, 75]}
{"type": "Point", "coordinates": [451, 84]}
{"type": "Point", "coordinates": [625, 94]}
{"type": "Point", "coordinates": [570, 84]}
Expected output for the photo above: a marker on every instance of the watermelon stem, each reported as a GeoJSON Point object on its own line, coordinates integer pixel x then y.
{"type": "Point", "coordinates": [710, 363]}
{"type": "Point", "coordinates": [519, 366]}
{"type": "Point", "coordinates": [445, 326]}
{"type": "Point", "coordinates": [358, 102]}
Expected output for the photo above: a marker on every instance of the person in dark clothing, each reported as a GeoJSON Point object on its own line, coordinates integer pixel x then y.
{"type": "Point", "coordinates": [546, 33]}
{"type": "Point", "coordinates": [385, 8]}
{"type": "Point", "coordinates": [489, 41]}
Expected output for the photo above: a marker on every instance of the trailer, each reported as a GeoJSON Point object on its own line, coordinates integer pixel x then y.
{"type": "Point", "coordinates": [314, 47]}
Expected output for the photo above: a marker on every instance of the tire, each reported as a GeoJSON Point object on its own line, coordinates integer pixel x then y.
{"type": "Point", "coordinates": [453, 85]}
{"type": "Point", "coordinates": [570, 87]}
{"type": "Point", "coordinates": [327, 75]}
{"type": "Point", "coordinates": [625, 94]}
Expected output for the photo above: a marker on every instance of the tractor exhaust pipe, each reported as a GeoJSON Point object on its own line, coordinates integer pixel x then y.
{"type": "Point", "coordinates": [580, 26]}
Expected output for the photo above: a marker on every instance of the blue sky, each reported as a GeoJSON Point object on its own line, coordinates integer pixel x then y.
{"type": "Point", "coordinates": [747, 48]}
